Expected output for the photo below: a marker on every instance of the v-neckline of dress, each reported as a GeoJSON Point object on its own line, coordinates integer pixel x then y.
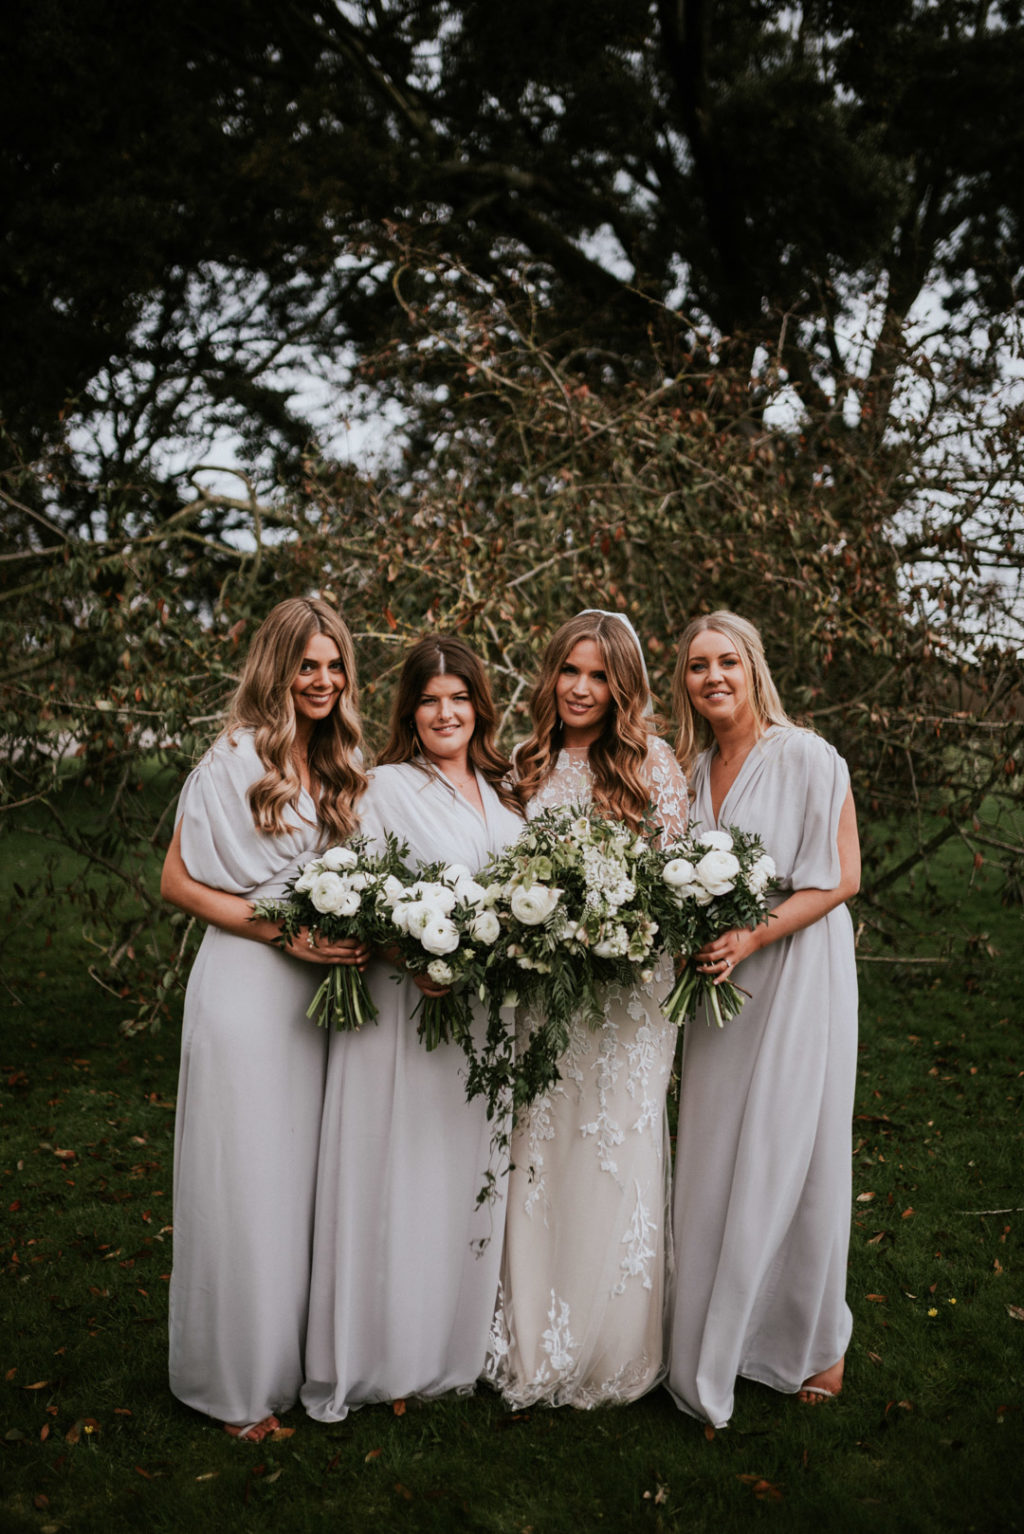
{"type": "Point", "coordinates": [717, 818]}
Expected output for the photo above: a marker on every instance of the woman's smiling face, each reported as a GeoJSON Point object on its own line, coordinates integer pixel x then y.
{"type": "Point", "coordinates": [582, 694]}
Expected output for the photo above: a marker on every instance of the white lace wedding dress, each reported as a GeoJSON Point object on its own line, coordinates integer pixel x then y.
{"type": "Point", "coordinates": [581, 1311]}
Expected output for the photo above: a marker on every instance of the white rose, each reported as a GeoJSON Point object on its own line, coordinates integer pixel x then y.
{"type": "Point", "coordinates": [440, 972]}
{"type": "Point", "coordinates": [393, 888]}
{"type": "Point", "coordinates": [326, 891]}
{"type": "Point", "coordinates": [678, 872]}
{"type": "Point", "coordinates": [307, 878]}
{"type": "Point", "coordinates": [358, 881]}
{"type": "Point", "coordinates": [717, 872]}
{"type": "Point", "coordinates": [439, 896]}
{"type": "Point", "coordinates": [486, 927]}
{"type": "Point", "coordinates": [534, 905]}
{"type": "Point", "coordinates": [469, 891]}
{"type": "Point", "coordinates": [418, 914]}
{"type": "Point", "coordinates": [717, 841]}
{"type": "Point", "coordinates": [337, 858]}
{"type": "Point", "coordinates": [348, 904]}
{"type": "Point", "coordinates": [493, 893]}
{"type": "Point", "coordinates": [440, 935]}
{"type": "Point", "coordinates": [453, 872]}
{"type": "Point", "coordinates": [761, 874]}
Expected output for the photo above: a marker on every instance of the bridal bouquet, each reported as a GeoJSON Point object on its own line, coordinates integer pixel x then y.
{"type": "Point", "coordinates": [442, 926]}
{"type": "Point", "coordinates": [343, 893]}
{"type": "Point", "coordinates": [699, 887]}
{"type": "Point", "coordinates": [572, 919]}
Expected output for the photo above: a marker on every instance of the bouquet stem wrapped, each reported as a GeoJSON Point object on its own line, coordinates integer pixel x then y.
{"type": "Point", "coordinates": [341, 894]}
{"type": "Point", "coordinates": [703, 885]}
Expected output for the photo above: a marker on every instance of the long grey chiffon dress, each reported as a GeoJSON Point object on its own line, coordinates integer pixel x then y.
{"type": "Point", "coordinates": [762, 1183]}
{"type": "Point", "coordinates": [249, 1099]}
{"type": "Point", "coordinates": [405, 1263]}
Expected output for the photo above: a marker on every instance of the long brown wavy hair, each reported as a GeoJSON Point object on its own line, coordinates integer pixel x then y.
{"type": "Point", "coordinates": [444, 655]}
{"type": "Point", "coordinates": [618, 757]}
{"type": "Point", "coordinates": [695, 733]}
{"type": "Point", "coordinates": [263, 704]}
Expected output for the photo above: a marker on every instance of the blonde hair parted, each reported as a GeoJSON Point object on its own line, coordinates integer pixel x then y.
{"type": "Point", "coordinates": [695, 733]}
{"type": "Point", "coordinates": [618, 757]}
{"type": "Point", "coordinates": [445, 655]}
{"type": "Point", "coordinates": [263, 704]}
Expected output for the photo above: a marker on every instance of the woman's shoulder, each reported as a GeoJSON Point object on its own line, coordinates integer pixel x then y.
{"type": "Point", "coordinates": [397, 778]}
{"type": "Point", "coordinates": [659, 754]}
{"type": "Point", "coordinates": [231, 755]}
{"type": "Point", "coordinates": [793, 744]}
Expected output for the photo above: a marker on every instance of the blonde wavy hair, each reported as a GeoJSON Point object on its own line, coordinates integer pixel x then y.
{"type": "Point", "coordinates": [263, 704]}
{"type": "Point", "coordinates": [619, 755]}
{"type": "Point", "coordinates": [444, 655]}
{"type": "Point", "coordinates": [695, 733]}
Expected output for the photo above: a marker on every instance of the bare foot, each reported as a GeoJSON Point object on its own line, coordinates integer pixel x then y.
{"type": "Point", "coordinates": [255, 1432]}
{"type": "Point", "coordinates": [822, 1387]}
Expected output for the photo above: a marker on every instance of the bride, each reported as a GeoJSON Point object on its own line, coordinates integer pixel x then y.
{"type": "Point", "coordinates": [580, 1318]}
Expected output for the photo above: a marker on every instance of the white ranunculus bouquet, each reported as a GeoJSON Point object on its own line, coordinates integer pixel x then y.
{"type": "Point", "coordinates": [703, 885]}
{"type": "Point", "coordinates": [343, 893]}
{"type": "Point", "coordinates": [572, 919]}
{"type": "Point", "coordinates": [443, 927]}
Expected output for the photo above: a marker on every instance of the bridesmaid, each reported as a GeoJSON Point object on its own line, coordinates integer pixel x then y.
{"type": "Point", "coordinates": [762, 1198]}
{"type": "Point", "coordinates": [282, 778]}
{"type": "Point", "coordinates": [581, 1318]}
{"type": "Point", "coordinates": [402, 1294]}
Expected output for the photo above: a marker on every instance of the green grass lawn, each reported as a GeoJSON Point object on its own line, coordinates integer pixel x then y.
{"type": "Point", "coordinates": [929, 1434]}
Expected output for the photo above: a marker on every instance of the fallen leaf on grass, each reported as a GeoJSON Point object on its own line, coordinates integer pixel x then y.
{"type": "Point", "coordinates": [373, 1454]}
{"type": "Point", "coordinates": [876, 1358]}
{"type": "Point", "coordinates": [208, 1475]}
{"type": "Point", "coordinates": [1015, 1312]}
{"type": "Point", "coordinates": [878, 1299]}
{"type": "Point", "coordinates": [398, 1407]}
{"type": "Point", "coordinates": [403, 1491]}
{"type": "Point", "coordinates": [10, 1374]}
{"type": "Point", "coordinates": [907, 1214]}
{"type": "Point", "coordinates": [44, 1432]}
{"type": "Point", "coordinates": [874, 1240]}
{"type": "Point", "coordinates": [39, 1385]}
{"type": "Point", "coordinates": [709, 1431]}
{"type": "Point", "coordinates": [280, 1434]}
{"type": "Point", "coordinates": [864, 1198]}
{"type": "Point", "coordinates": [763, 1490]}
{"type": "Point", "coordinates": [40, 1501]}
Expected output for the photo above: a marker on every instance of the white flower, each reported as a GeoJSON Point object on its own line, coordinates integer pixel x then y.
{"type": "Point", "coordinates": [486, 927]}
{"type": "Point", "coordinates": [440, 935]}
{"type": "Point", "coordinates": [677, 872]}
{"type": "Point", "coordinates": [451, 873]}
{"type": "Point", "coordinates": [439, 895]}
{"type": "Point", "coordinates": [358, 881]}
{"type": "Point", "coordinates": [717, 871]}
{"type": "Point", "coordinates": [327, 892]}
{"type": "Point", "coordinates": [534, 905]}
{"type": "Point", "coordinates": [761, 874]}
{"type": "Point", "coordinates": [392, 888]}
{"type": "Point", "coordinates": [469, 891]}
{"type": "Point", "coordinates": [337, 858]}
{"type": "Point", "coordinates": [718, 841]}
{"type": "Point", "coordinates": [440, 972]}
{"type": "Point", "coordinates": [418, 914]}
{"type": "Point", "coordinates": [493, 893]}
{"type": "Point", "coordinates": [308, 877]}
{"type": "Point", "coordinates": [613, 945]}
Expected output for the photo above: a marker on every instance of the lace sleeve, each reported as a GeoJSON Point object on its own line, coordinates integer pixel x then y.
{"type": "Point", "coordinates": [669, 793]}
